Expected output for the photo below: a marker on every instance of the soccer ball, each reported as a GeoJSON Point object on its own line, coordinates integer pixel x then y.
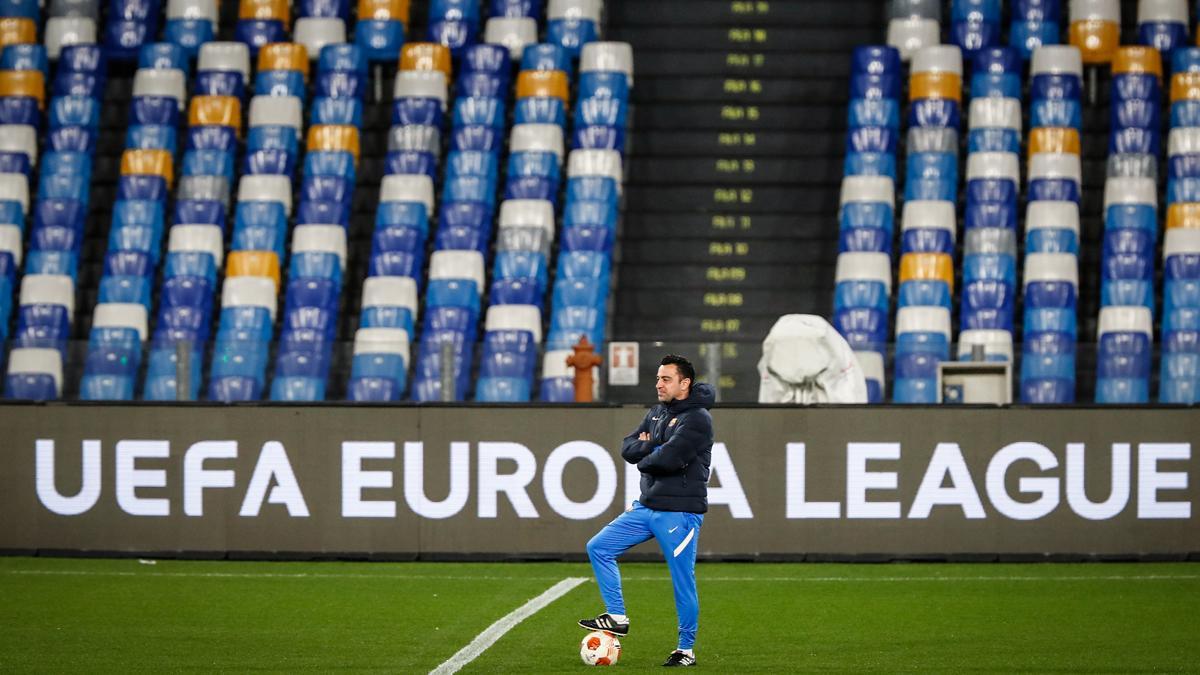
{"type": "Point", "coordinates": [600, 649]}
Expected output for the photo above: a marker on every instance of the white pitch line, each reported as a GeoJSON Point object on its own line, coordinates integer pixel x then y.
{"type": "Point", "coordinates": [702, 578]}
{"type": "Point", "coordinates": [506, 623]}
{"type": "Point", "coordinates": [1135, 577]}
{"type": "Point", "coordinates": [274, 575]}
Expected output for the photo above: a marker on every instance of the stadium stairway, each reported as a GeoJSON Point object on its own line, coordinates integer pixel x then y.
{"type": "Point", "coordinates": [734, 166]}
{"type": "Point", "coordinates": [738, 141]}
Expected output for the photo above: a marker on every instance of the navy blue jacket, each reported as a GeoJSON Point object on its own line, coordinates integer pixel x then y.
{"type": "Point", "coordinates": [675, 461]}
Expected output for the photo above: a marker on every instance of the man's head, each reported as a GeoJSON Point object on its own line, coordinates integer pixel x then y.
{"type": "Point", "coordinates": [675, 378]}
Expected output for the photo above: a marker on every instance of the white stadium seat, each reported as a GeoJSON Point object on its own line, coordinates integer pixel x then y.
{"type": "Point", "coordinates": [539, 212]}
{"type": "Point", "coordinates": [421, 84]}
{"type": "Point", "coordinates": [458, 265]}
{"type": "Point", "coordinates": [276, 111]}
{"type": "Point", "coordinates": [266, 188]}
{"type": "Point", "coordinates": [596, 163]}
{"type": "Point", "coordinates": [320, 239]}
{"type": "Point", "coordinates": [204, 238]}
{"type": "Point", "coordinates": [537, 138]}
{"type": "Point", "coordinates": [408, 188]}
{"type": "Point", "coordinates": [515, 317]}
{"type": "Point", "coordinates": [64, 31]}
{"type": "Point", "coordinates": [390, 292]}
{"type": "Point", "coordinates": [48, 289]}
{"type": "Point", "coordinates": [607, 57]}
{"type": "Point", "coordinates": [382, 341]}
{"type": "Point", "coordinates": [122, 315]}
{"type": "Point", "coordinates": [33, 360]}
{"type": "Point", "coordinates": [20, 138]}
{"type": "Point", "coordinates": [250, 292]}
{"type": "Point", "coordinates": [164, 82]}
{"type": "Point", "coordinates": [316, 32]}
{"type": "Point", "coordinates": [1057, 60]}
{"type": "Point", "coordinates": [228, 56]}
{"type": "Point", "coordinates": [865, 266]}
{"type": "Point", "coordinates": [514, 33]}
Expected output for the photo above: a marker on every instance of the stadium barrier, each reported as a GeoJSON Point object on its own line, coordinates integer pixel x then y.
{"type": "Point", "coordinates": [509, 482]}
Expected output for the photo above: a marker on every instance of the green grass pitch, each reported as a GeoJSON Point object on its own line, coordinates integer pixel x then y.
{"type": "Point", "coordinates": [61, 615]}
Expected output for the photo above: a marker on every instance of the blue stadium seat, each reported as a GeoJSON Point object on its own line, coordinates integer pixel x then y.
{"type": "Point", "coordinates": [487, 58]}
{"type": "Point", "coordinates": [914, 391]}
{"type": "Point", "coordinates": [551, 110]}
{"type": "Point", "coordinates": [280, 83]}
{"type": "Point", "coordinates": [298, 389]}
{"type": "Point", "coordinates": [257, 33]}
{"type": "Point", "coordinates": [234, 388]}
{"type": "Point", "coordinates": [590, 238]}
{"type": "Point", "coordinates": [324, 212]}
{"type": "Point", "coordinates": [345, 111]}
{"type": "Point", "coordinates": [476, 83]}
{"type": "Point", "coordinates": [340, 84]}
{"type": "Point", "coordinates": [412, 162]}
{"type": "Point", "coordinates": [479, 111]}
{"type": "Point", "coordinates": [503, 389]}
{"type": "Point", "coordinates": [24, 110]}
{"type": "Point", "coordinates": [417, 111]}
{"type": "Point", "coordinates": [395, 263]}
{"type": "Point", "coordinates": [374, 389]}
{"type": "Point", "coordinates": [557, 390]}
{"type": "Point", "coordinates": [30, 387]}
{"type": "Point", "coordinates": [125, 289]}
{"type": "Point", "coordinates": [381, 40]}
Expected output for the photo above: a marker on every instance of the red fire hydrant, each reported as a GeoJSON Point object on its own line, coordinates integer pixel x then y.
{"type": "Point", "coordinates": [583, 360]}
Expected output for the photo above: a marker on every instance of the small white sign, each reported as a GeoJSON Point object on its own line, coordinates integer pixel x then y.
{"type": "Point", "coordinates": [623, 364]}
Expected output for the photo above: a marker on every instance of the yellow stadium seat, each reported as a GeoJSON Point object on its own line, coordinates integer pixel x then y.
{"type": "Point", "coordinates": [265, 10]}
{"type": "Point", "coordinates": [30, 83]}
{"type": "Point", "coordinates": [1097, 40]}
{"type": "Point", "coordinates": [384, 10]}
{"type": "Point", "coordinates": [16, 31]}
{"type": "Point", "coordinates": [1185, 215]}
{"type": "Point", "coordinates": [225, 111]}
{"type": "Point", "coordinates": [283, 56]}
{"type": "Point", "coordinates": [253, 264]}
{"type": "Point", "coordinates": [1138, 60]}
{"type": "Point", "coordinates": [426, 56]}
{"type": "Point", "coordinates": [927, 267]}
{"type": "Point", "coordinates": [334, 137]}
{"type": "Point", "coordinates": [1054, 139]}
{"type": "Point", "coordinates": [148, 162]}
{"type": "Point", "coordinates": [935, 85]}
{"type": "Point", "coordinates": [1185, 87]}
{"type": "Point", "coordinates": [543, 84]}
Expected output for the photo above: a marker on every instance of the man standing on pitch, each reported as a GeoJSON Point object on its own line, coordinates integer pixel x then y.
{"type": "Point", "coordinates": [672, 448]}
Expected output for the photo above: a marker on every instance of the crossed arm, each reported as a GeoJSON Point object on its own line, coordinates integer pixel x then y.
{"type": "Point", "coordinates": [674, 455]}
{"type": "Point", "coordinates": [670, 457]}
{"type": "Point", "coordinates": [637, 444]}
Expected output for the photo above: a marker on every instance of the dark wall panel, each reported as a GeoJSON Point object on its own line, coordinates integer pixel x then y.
{"type": "Point", "coordinates": [517, 482]}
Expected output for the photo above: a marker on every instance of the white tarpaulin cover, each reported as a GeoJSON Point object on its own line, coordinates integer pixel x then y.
{"type": "Point", "coordinates": [805, 360]}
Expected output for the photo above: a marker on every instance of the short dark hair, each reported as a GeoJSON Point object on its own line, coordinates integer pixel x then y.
{"type": "Point", "coordinates": [686, 370]}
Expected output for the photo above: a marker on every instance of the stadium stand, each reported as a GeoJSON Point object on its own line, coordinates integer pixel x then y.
{"type": "Point", "coordinates": [204, 199]}
{"type": "Point", "coordinates": [1052, 228]}
{"type": "Point", "coordinates": [1131, 228]}
{"type": "Point", "coordinates": [168, 166]}
{"type": "Point", "coordinates": [1063, 110]}
{"type": "Point", "coordinates": [926, 276]}
{"type": "Point", "coordinates": [867, 220]}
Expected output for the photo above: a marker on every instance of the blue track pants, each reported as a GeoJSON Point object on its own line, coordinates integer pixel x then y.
{"type": "Point", "coordinates": [677, 533]}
